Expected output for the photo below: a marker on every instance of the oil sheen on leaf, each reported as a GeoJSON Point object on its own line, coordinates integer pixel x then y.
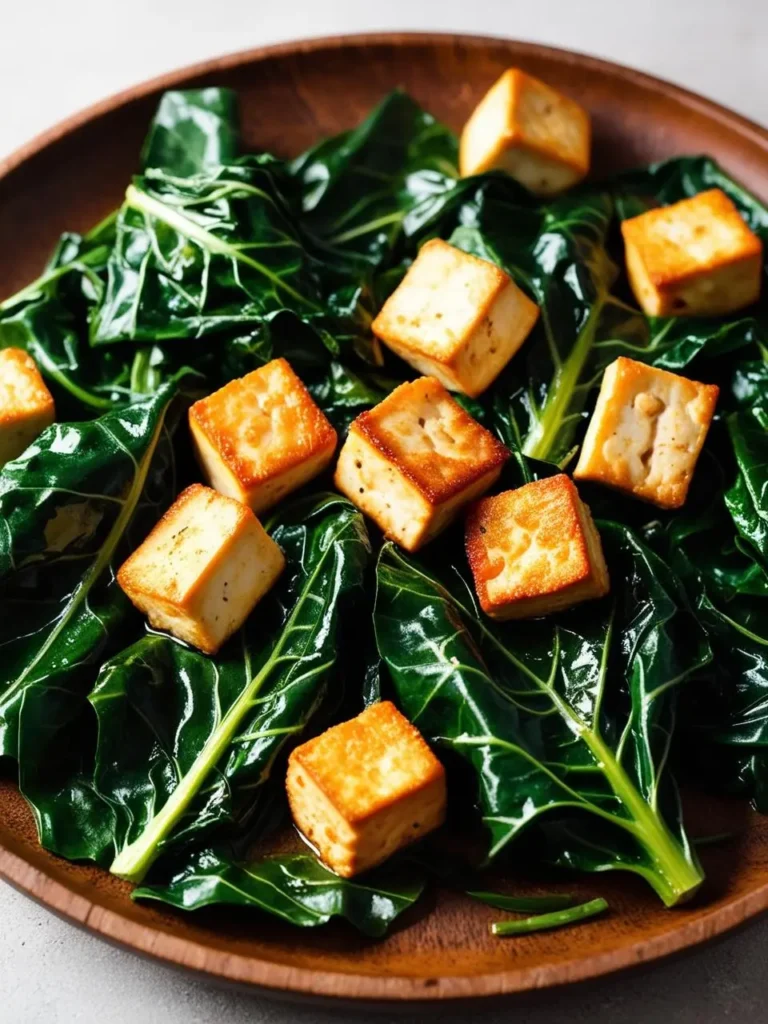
{"type": "Point", "coordinates": [296, 888]}
{"type": "Point", "coordinates": [193, 129]}
{"type": "Point", "coordinates": [185, 741]}
{"type": "Point", "coordinates": [567, 719]}
{"type": "Point", "coordinates": [67, 507]}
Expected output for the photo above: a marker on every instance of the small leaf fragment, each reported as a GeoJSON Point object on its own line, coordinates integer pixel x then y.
{"type": "Point", "coordinates": [557, 919]}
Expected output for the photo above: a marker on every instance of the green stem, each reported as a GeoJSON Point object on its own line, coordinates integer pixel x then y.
{"type": "Point", "coordinates": [133, 862]}
{"type": "Point", "coordinates": [675, 877]}
{"type": "Point", "coordinates": [145, 203]}
{"type": "Point", "coordinates": [143, 381]}
{"type": "Point", "coordinates": [104, 227]}
{"type": "Point", "coordinates": [48, 366]}
{"type": "Point", "coordinates": [364, 229]}
{"type": "Point", "coordinates": [541, 439]}
{"type": "Point", "coordinates": [80, 595]}
{"type": "Point", "coordinates": [558, 919]}
{"type": "Point", "coordinates": [95, 256]}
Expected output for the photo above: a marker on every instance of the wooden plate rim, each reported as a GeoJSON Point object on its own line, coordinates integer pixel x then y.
{"type": "Point", "coordinates": [268, 975]}
{"type": "Point", "coordinates": [171, 79]}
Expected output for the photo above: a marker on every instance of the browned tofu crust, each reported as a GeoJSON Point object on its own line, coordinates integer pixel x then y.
{"type": "Point", "coordinates": [533, 97]}
{"type": "Point", "coordinates": [264, 424]}
{"type": "Point", "coordinates": [408, 332]}
{"type": "Point", "coordinates": [397, 430]}
{"type": "Point", "coordinates": [668, 264]}
{"type": "Point", "coordinates": [23, 392]}
{"type": "Point", "coordinates": [132, 577]}
{"type": "Point", "coordinates": [201, 571]}
{"type": "Point", "coordinates": [535, 542]}
{"type": "Point", "coordinates": [521, 111]}
{"type": "Point", "coordinates": [369, 763]}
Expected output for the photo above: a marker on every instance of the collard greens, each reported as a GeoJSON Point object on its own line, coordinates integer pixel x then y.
{"type": "Point", "coordinates": [144, 755]}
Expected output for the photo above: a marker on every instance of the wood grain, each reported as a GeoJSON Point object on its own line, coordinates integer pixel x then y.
{"type": "Point", "coordinates": [70, 178]}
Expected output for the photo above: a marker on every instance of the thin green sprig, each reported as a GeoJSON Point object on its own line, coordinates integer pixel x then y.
{"type": "Point", "coordinates": [557, 919]}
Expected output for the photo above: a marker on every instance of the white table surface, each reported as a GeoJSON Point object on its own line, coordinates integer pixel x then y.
{"type": "Point", "coordinates": [57, 56]}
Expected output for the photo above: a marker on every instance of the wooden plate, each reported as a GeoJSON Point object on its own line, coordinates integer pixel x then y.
{"type": "Point", "coordinates": [70, 178]}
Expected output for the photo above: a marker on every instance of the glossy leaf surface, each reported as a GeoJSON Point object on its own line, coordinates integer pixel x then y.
{"type": "Point", "coordinates": [71, 507]}
{"type": "Point", "coordinates": [747, 499]}
{"type": "Point", "coordinates": [197, 256]}
{"type": "Point", "coordinates": [49, 318]}
{"type": "Point", "coordinates": [185, 741]}
{"type": "Point", "coordinates": [567, 719]}
{"type": "Point", "coordinates": [357, 189]}
{"type": "Point", "coordinates": [296, 888]}
{"type": "Point", "coordinates": [558, 254]}
{"type": "Point", "coordinates": [193, 129]}
{"type": "Point", "coordinates": [725, 716]}
{"type": "Point", "coordinates": [216, 263]}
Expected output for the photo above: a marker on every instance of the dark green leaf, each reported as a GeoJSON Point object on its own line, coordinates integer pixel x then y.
{"type": "Point", "coordinates": [749, 384]}
{"type": "Point", "coordinates": [296, 888]}
{"type": "Point", "coordinates": [747, 499]}
{"type": "Point", "coordinates": [523, 904]}
{"type": "Point", "coordinates": [356, 189]}
{"type": "Point", "coordinates": [48, 319]}
{"type": "Point", "coordinates": [67, 508]}
{"type": "Point", "coordinates": [55, 753]}
{"type": "Point", "coordinates": [192, 130]}
{"type": "Point", "coordinates": [201, 255]}
{"type": "Point", "coordinates": [343, 394]}
{"type": "Point", "coordinates": [557, 253]}
{"type": "Point", "coordinates": [725, 715]}
{"type": "Point", "coordinates": [185, 741]}
{"type": "Point", "coordinates": [569, 719]}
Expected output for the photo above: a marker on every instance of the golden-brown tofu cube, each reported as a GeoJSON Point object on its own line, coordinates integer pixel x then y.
{"type": "Point", "coordinates": [456, 317]}
{"type": "Point", "coordinates": [646, 432]}
{"type": "Point", "coordinates": [365, 788]}
{"type": "Point", "coordinates": [694, 258]}
{"type": "Point", "coordinates": [26, 405]}
{"type": "Point", "coordinates": [202, 569]}
{"type": "Point", "coordinates": [529, 130]}
{"type": "Point", "coordinates": [262, 436]}
{"type": "Point", "coordinates": [414, 460]}
{"type": "Point", "coordinates": [535, 550]}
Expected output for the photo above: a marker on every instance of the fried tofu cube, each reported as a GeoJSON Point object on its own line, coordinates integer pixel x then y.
{"type": "Point", "coordinates": [535, 550]}
{"type": "Point", "coordinates": [531, 131]}
{"type": "Point", "coordinates": [646, 432]}
{"type": "Point", "coordinates": [202, 569]}
{"type": "Point", "coordinates": [262, 436]}
{"type": "Point", "coordinates": [365, 788]}
{"type": "Point", "coordinates": [456, 317]}
{"type": "Point", "coordinates": [412, 462]}
{"type": "Point", "coordinates": [694, 258]}
{"type": "Point", "coordinates": [26, 405]}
